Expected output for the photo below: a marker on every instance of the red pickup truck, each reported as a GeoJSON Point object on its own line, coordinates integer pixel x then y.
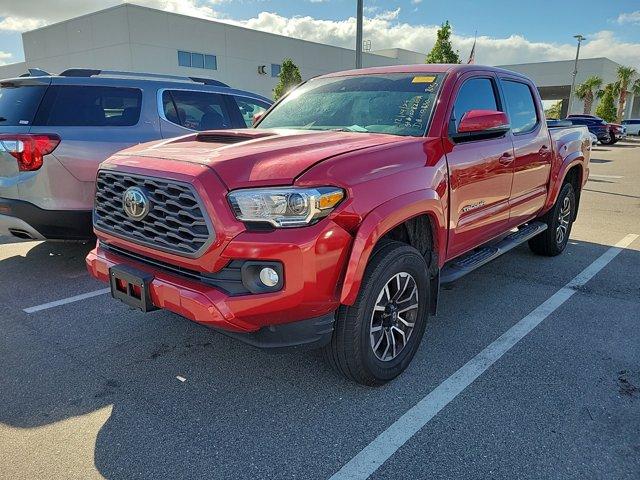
{"type": "Point", "coordinates": [334, 221]}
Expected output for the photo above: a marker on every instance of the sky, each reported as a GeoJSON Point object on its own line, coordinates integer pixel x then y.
{"type": "Point", "coordinates": [507, 31]}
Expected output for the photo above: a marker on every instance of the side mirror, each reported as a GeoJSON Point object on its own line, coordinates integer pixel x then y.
{"type": "Point", "coordinates": [482, 124]}
{"type": "Point", "coordinates": [256, 118]}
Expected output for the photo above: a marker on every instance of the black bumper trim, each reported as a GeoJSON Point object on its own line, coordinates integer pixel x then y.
{"type": "Point", "coordinates": [51, 224]}
{"type": "Point", "coordinates": [302, 335]}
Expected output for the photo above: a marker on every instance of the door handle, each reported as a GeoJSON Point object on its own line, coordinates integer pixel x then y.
{"type": "Point", "coordinates": [543, 150]}
{"type": "Point", "coordinates": [506, 158]}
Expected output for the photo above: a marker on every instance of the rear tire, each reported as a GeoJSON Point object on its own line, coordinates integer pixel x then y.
{"type": "Point", "coordinates": [376, 338]}
{"type": "Point", "coordinates": [609, 140]}
{"type": "Point", "coordinates": [559, 221]}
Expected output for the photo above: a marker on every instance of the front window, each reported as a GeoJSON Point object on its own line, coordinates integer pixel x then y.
{"type": "Point", "coordinates": [395, 104]}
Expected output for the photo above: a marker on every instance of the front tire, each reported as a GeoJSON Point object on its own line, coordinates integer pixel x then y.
{"type": "Point", "coordinates": [559, 221]}
{"type": "Point", "coordinates": [376, 338]}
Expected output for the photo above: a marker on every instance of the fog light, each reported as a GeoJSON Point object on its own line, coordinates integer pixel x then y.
{"type": "Point", "coordinates": [269, 277]}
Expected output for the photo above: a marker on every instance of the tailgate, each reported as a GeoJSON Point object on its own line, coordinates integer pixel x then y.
{"type": "Point", "coordinates": [19, 102]}
{"type": "Point", "coordinates": [8, 163]}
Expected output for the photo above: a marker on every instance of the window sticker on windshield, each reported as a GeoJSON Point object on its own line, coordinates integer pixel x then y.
{"type": "Point", "coordinates": [410, 113]}
{"type": "Point", "coordinates": [423, 79]}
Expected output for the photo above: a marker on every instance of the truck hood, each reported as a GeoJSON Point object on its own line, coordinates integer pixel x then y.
{"type": "Point", "coordinates": [254, 157]}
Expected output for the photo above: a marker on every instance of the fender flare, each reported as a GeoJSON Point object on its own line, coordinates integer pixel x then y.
{"type": "Point", "coordinates": [382, 220]}
{"type": "Point", "coordinates": [558, 177]}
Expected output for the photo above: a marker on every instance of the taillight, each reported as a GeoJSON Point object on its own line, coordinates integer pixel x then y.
{"type": "Point", "coordinates": [29, 150]}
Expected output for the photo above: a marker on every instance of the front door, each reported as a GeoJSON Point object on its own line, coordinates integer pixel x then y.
{"type": "Point", "coordinates": [480, 171]}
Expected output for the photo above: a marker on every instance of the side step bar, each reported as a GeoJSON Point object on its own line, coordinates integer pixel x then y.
{"type": "Point", "coordinates": [459, 267]}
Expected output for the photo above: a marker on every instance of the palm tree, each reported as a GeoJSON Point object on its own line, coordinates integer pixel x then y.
{"type": "Point", "coordinates": [625, 75]}
{"type": "Point", "coordinates": [585, 91]}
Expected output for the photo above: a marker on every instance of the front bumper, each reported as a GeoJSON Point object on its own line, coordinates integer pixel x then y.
{"type": "Point", "coordinates": [26, 220]}
{"type": "Point", "coordinates": [313, 260]}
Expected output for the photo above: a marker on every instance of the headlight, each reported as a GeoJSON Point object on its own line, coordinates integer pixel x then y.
{"type": "Point", "coordinates": [285, 207]}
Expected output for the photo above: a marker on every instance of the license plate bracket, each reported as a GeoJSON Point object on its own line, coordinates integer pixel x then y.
{"type": "Point", "coordinates": [131, 286]}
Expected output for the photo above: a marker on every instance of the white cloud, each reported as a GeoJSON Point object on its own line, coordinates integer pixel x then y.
{"type": "Point", "coordinates": [20, 16]}
{"type": "Point", "coordinates": [631, 17]}
{"type": "Point", "coordinates": [20, 24]}
{"type": "Point", "coordinates": [381, 27]}
{"type": "Point", "coordinates": [5, 58]}
{"type": "Point", "coordinates": [385, 31]}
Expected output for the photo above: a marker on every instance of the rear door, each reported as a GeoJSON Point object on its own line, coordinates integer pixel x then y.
{"type": "Point", "coordinates": [480, 171]}
{"type": "Point", "coordinates": [19, 100]}
{"type": "Point", "coordinates": [94, 122]}
{"type": "Point", "coordinates": [532, 150]}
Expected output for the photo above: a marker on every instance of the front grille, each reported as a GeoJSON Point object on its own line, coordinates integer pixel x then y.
{"type": "Point", "coordinates": [175, 223]}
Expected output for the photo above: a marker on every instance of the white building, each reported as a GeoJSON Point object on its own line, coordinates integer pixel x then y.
{"type": "Point", "coordinates": [139, 39]}
{"type": "Point", "coordinates": [554, 81]}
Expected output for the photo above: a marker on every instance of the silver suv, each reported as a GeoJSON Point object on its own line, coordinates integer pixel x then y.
{"type": "Point", "coordinates": [55, 131]}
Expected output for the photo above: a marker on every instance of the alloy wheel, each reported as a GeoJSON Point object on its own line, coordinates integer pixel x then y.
{"type": "Point", "coordinates": [394, 316]}
{"type": "Point", "coordinates": [563, 221]}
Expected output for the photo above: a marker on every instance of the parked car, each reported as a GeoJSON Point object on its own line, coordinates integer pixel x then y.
{"type": "Point", "coordinates": [55, 131]}
{"type": "Point", "coordinates": [632, 125]}
{"type": "Point", "coordinates": [607, 133]}
{"type": "Point", "coordinates": [556, 123]}
{"type": "Point", "coordinates": [334, 221]}
{"type": "Point", "coordinates": [618, 131]}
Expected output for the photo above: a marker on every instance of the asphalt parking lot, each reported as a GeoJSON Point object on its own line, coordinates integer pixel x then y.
{"type": "Point", "coordinates": [92, 389]}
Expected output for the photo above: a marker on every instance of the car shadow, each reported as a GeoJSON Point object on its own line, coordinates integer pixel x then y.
{"type": "Point", "coordinates": [40, 272]}
{"type": "Point", "coordinates": [235, 412]}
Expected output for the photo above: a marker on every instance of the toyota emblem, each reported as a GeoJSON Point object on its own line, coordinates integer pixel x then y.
{"type": "Point", "coordinates": [135, 203]}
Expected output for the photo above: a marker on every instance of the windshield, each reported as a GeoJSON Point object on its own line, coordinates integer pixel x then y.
{"type": "Point", "coordinates": [396, 104]}
{"type": "Point", "coordinates": [18, 104]}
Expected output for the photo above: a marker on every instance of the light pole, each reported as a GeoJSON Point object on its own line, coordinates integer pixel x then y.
{"type": "Point", "coordinates": [359, 35]}
{"type": "Point", "coordinates": [580, 39]}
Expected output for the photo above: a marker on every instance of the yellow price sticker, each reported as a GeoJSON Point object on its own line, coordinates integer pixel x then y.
{"type": "Point", "coordinates": [423, 79]}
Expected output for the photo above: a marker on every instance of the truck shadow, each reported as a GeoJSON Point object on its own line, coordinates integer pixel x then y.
{"type": "Point", "coordinates": [240, 412]}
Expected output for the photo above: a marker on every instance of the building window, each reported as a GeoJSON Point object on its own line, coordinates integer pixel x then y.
{"type": "Point", "coordinates": [197, 60]}
{"type": "Point", "coordinates": [275, 69]}
{"type": "Point", "coordinates": [184, 59]}
{"type": "Point", "coordinates": [210, 62]}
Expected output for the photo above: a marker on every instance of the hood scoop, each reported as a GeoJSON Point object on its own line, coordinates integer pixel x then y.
{"type": "Point", "coordinates": [231, 137]}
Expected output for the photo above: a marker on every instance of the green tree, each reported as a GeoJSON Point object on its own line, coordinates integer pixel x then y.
{"type": "Point", "coordinates": [554, 111]}
{"type": "Point", "coordinates": [625, 76]}
{"type": "Point", "coordinates": [289, 78]}
{"type": "Point", "coordinates": [442, 51]}
{"type": "Point", "coordinates": [607, 106]}
{"type": "Point", "coordinates": [585, 91]}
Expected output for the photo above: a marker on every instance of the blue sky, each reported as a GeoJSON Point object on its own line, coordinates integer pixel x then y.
{"type": "Point", "coordinates": [489, 17]}
{"type": "Point", "coordinates": [508, 31]}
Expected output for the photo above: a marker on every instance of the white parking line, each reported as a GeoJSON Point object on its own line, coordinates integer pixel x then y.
{"type": "Point", "coordinates": [388, 442]}
{"type": "Point", "coordinates": [64, 301]}
{"type": "Point", "coordinates": [604, 176]}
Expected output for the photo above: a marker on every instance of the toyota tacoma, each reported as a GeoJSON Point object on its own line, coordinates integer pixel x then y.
{"type": "Point", "coordinates": [333, 223]}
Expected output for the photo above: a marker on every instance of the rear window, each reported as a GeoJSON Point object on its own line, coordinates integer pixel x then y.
{"type": "Point", "coordinates": [88, 106]}
{"type": "Point", "coordinates": [521, 106]}
{"type": "Point", "coordinates": [18, 104]}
